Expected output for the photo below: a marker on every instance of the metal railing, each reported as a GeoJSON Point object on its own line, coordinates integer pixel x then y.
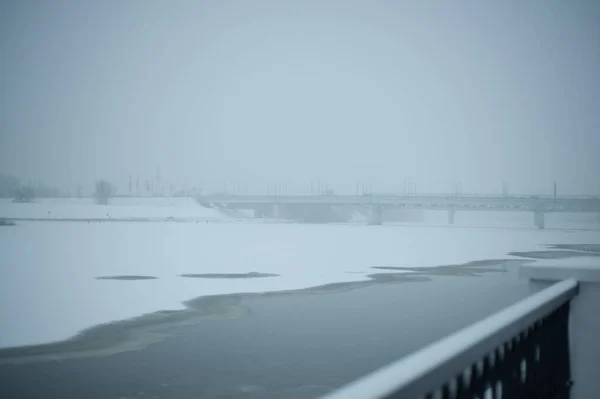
{"type": "Point", "coordinates": [519, 352]}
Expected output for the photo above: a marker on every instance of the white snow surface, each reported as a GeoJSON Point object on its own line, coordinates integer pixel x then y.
{"type": "Point", "coordinates": [48, 270]}
{"type": "Point", "coordinates": [118, 208]}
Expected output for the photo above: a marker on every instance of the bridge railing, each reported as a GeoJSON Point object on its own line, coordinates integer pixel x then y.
{"type": "Point", "coordinates": [519, 352]}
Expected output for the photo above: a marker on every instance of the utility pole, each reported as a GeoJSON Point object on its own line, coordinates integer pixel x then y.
{"type": "Point", "coordinates": [504, 189]}
{"type": "Point", "coordinates": [457, 189]}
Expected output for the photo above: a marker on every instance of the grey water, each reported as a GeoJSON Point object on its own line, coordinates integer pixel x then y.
{"type": "Point", "coordinates": [300, 344]}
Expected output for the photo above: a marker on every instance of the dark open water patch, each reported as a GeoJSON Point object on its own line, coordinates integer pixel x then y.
{"type": "Point", "coordinates": [275, 351]}
{"type": "Point", "coordinates": [139, 332]}
{"type": "Point", "coordinates": [577, 247]}
{"type": "Point", "coordinates": [230, 275]}
{"type": "Point", "coordinates": [474, 268]}
{"type": "Point", "coordinates": [560, 254]}
{"type": "Point", "coordinates": [126, 335]}
{"type": "Point", "coordinates": [126, 277]}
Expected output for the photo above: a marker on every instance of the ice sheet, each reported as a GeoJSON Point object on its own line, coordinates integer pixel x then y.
{"type": "Point", "coordinates": [48, 289]}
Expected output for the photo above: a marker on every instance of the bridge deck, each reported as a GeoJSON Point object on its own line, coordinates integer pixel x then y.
{"type": "Point", "coordinates": [546, 204]}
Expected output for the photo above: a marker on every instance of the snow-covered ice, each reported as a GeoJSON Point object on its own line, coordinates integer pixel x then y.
{"type": "Point", "coordinates": [119, 208]}
{"type": "Point", "coordinates": [49, 290]}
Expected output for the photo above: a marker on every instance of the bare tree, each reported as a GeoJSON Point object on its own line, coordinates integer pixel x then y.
{"type": "Point", "coordinates": [79, 190]}
{"type": "Point", "coordinates": [24, 194]}
{"type": "Point", "coordinates": [104, 190]}
{"type": "Point", "coordinates": [8, 185]}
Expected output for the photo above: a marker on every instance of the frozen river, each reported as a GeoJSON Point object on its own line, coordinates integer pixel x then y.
{"type": "Point", "coordinates": [210, 305]}
{"type": "Point", "coordinates": [59, 278]}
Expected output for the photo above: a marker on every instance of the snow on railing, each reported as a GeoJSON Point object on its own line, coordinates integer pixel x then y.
{"type": "Point", "coordinates": [519, 352]}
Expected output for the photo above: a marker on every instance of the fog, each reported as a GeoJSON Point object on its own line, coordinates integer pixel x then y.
{"type": "Point", "coordinates": [128, 270]}
{"type": "Point", "coordinates": [272, 92]}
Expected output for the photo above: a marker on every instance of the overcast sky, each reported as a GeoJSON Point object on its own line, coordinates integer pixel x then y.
{"type": "Point", "coordinates": [264, 92]}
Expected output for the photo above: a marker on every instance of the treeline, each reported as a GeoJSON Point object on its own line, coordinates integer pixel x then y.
{"type": "Point", "coordinates": [11, 187]}
{"type": "Point", "coordinates": [8, 185]}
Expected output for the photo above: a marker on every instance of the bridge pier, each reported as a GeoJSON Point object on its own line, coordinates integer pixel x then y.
{"type": "Point", "coordinates": [276, 211]}
{"type": "Point", "coordinates": [305, 213]}
{"type": "Point", "coordinates": [539, 219]}
{"type": "Point", "coordinates": [375, 216]}
{"type": "Point", "coordinates": [451, 214]}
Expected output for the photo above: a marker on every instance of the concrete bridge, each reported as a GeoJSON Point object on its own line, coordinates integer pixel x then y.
{"type": "Point", "coordinates": [316, 207]}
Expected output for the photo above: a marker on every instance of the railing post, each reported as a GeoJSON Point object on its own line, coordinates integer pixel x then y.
{"type": "Point", "coordinates": [584, 323]}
